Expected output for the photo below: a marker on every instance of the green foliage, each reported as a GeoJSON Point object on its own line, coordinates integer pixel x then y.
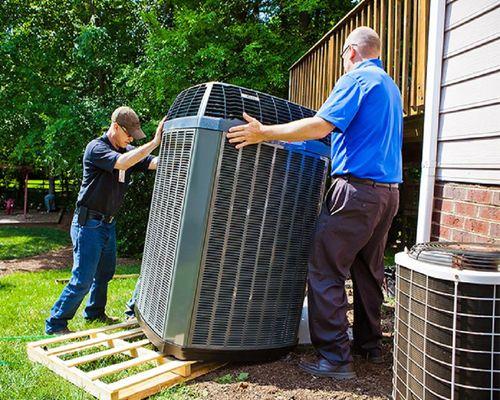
{"type": "Point", "coordinates": [230, 378]}
{"type": "Point", "coordinates": [133, 215]}
{"type": "Point", "coordinates": [66, 65]}
{"type": "Point", "coordinates": [18, 242]}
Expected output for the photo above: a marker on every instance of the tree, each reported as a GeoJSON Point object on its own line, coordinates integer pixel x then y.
{"type": "Point", "coordinates": [66, 65]}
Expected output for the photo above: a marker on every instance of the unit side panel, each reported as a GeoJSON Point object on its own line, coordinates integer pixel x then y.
{"type": "Point", "coordinates": [192, 235]}
{"type": "Point", "coordinates": [161, 244]}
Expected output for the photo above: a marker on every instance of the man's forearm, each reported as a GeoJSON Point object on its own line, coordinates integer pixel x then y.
{"type": "Point", "coordinates": [130, 158]}
{"type": "Point", "coordinates": [303, 129]}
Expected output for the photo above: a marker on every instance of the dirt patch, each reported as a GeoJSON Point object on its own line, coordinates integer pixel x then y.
{"type": "Point", "coordinates": [57, 259]}
{"type": "Point", "coordinates": [284, 380]}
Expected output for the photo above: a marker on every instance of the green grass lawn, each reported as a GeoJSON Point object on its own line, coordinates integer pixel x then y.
{"type": "Point", "coordinates": [20, 242]}
{"type": "Point", "coordinates": [26, 301]}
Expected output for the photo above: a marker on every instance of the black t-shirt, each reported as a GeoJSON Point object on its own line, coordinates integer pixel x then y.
{"type": "Point", "coordinates": [101, 189]}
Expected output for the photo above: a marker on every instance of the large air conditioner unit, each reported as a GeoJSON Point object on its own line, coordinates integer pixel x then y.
{"type": "Point", "coordinates": [447, 325]}
{"type": "Point", "coordinates": [225, 257]}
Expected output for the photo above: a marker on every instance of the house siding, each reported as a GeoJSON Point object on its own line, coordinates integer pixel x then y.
{"type": "Point", "coordinates": [469, 116]}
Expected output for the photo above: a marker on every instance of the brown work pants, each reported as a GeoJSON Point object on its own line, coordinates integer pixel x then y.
{"type": "Point", "coordinates": [349, 241]}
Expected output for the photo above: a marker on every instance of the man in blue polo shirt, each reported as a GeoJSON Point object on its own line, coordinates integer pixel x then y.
{"type": "Point", "coordinates": [108, 162]}
{"type": "Point", "coordinates": [364, 117]}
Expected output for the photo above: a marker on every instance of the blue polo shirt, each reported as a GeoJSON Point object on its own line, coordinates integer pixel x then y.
{"type": "Point", "coordinates": [366, 109]}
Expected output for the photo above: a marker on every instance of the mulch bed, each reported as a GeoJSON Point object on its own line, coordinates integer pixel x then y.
{"type": "Point", "coordinates": [57, 259]}
{"type": "Point", "coordinates": [283, 380]}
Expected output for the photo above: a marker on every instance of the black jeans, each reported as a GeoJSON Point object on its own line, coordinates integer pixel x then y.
{"type": "Point", "coordinates": [350, 241]}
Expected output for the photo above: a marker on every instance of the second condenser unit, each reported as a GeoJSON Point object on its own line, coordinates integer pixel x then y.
{"type": "Point", "coordinates": [229, 232]}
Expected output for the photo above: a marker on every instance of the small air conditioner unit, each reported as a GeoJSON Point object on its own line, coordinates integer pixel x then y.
{"type": "Point", "coordinates": [225, 257]}
{"type": "Point", "coordinates": [447, 324]}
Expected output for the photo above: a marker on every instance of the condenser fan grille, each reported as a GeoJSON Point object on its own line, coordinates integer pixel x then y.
{"type": "Point", "coordinates": [474, 256]}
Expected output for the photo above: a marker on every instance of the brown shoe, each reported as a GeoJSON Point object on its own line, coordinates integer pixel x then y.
{"type": "Point", "coordinates": [104, 319]}
{"type": "Point", "coordinates": [323, 367]}
{"type": "Point", "coordinates": [64, 331]}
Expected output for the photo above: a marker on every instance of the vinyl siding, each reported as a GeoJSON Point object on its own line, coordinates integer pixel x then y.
{"type": "Point", "coordinates": [469, 116]}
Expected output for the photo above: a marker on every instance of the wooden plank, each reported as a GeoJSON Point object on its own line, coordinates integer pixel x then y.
{"type": "Point", "coordinates": [105, 353]}
{"type": "Point", "coordinates": [376, 16]}
{"type": "Point", "coordinates": [331, 63]}
{"type": "Point", "coordinates": [338, 60]}
{"type": "Point", "coordinates": [85, 344]}
{"type": "Point", "coordinates": [422, 50]}
{"type": "Point", "coordinates": [413, 89]}
{"type": "Point", "coordinates": [382, 31]}
{"type": "Point", "coordinates": [73, 375]}
{"type": "Point", "coordinates": [320, 77]}
{"type": "Point", "coordinates": [140, 350]}
{"type": "Point", "coordinates": [309, 80]}
{"type": "Point", "coordinates": [150, 373]}
{"type": "Point", "coordinates": [397, 41]}
{"type": "Point", "coordinates": [326, 69]}
{"type": "Point", "coordinates": [154, 385]}
{"type": "Point", "coordinates": [114, 368]}
{"type": "Point", "coordinates": [405, 72]}
{"type": "Point", "coordinates": [314, 80]}
{"type": "Point", "coordinates": [390, 37]}
{"type": "Point", "coordinates": [76, 335]}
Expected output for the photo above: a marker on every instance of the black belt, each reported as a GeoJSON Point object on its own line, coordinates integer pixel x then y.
{"type": "Point", "coordinates": [350, 178]}
{"type": "Point", "coordinates": [91, 214]}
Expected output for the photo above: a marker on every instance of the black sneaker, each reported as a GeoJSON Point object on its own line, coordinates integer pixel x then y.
{"type": "Point", "coordinates": [372, 355]}
{"type": "Point", "coordinates": [104, 319]}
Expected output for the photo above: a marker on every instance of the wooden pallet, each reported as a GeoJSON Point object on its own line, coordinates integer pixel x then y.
{"type": "Point", "coordinates": [165, 371]}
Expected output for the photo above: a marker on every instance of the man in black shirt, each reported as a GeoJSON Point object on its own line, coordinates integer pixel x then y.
{"type": "Point", "coordinates": [108, 162]}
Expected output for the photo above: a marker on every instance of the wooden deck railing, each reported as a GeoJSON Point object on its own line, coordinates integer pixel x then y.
{"type": "Point", "coordinates": [402, 26]}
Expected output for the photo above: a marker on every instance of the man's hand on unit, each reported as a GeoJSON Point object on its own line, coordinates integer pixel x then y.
{"type": "Point", "coordinates": [251, 133]}
{"type": "Point", "coordinates": [159, 132]}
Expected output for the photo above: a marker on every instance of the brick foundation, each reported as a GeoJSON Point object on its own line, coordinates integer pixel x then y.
{"type": "Point", "coordinates": [466, 213]}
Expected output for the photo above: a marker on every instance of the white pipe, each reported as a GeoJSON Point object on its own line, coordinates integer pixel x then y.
{"type": "Point", "coordinates": [431, 118]}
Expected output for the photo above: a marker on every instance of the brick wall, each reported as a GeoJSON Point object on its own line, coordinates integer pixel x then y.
{"type": "Point", "coordinates": [466, 213]}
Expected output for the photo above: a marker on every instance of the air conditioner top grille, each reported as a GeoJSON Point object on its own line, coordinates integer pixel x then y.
{"type": "Point", "coordinates": [472, 256]}
{"type": "Point", "coordinates": [187, 103]}
{"type": "Point", "coordinates": [230, 101]}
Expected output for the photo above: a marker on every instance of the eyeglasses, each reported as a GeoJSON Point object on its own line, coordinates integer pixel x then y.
{"type": "Point", "coordinates": [346, 48]}
{"type": "Point", "coordinates": [124, 130]}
